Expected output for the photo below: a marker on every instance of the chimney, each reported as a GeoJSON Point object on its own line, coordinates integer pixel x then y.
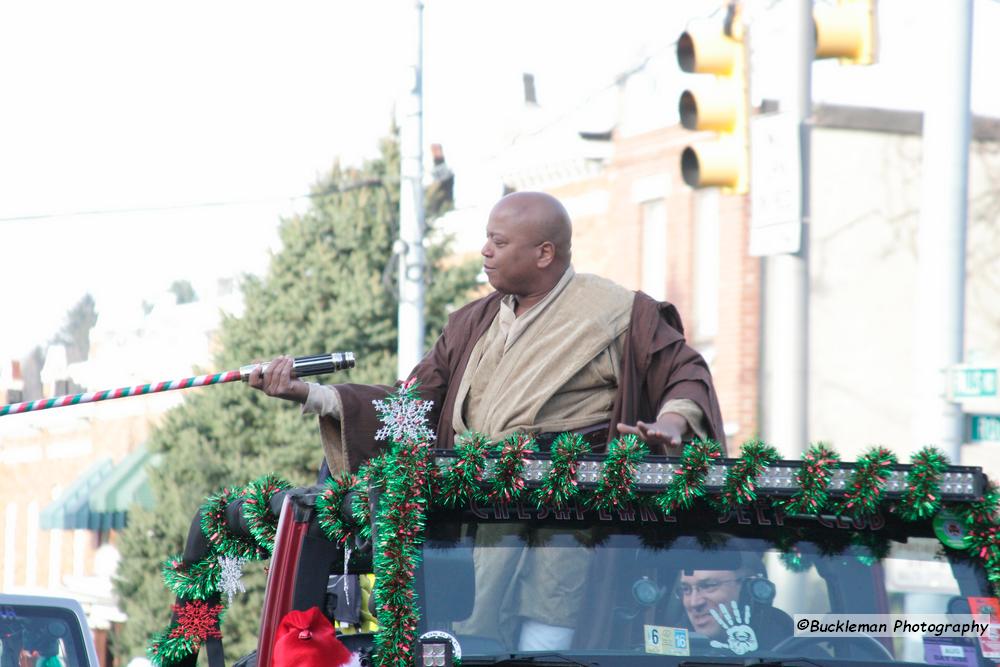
{"type": "Point", "coordinates": [55, 372]}
{"type": "Point", "coordinates": [11, 382]}
{"type": "Point", "coordinates": [529, 89]}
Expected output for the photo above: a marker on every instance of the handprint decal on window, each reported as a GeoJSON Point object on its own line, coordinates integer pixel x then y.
{"type": "Point", "coordinates": [742, 638]}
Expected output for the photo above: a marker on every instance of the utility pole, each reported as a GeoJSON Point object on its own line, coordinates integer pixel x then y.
{"type": "Point", "coordinates": [786, 274]}
{"type": "Point", "coordinates": [939, 314]}
{"type": "Point", "coordinates": [410, 246]}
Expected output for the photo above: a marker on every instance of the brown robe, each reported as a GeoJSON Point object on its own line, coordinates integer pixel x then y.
{"type": "Point", "coordinates": [657, 365]}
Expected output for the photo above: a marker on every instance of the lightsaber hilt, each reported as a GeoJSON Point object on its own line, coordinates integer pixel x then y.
{"type": "Point", "coordinates": [317, 364]}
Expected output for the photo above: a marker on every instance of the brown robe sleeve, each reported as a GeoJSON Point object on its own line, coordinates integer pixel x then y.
{"type": "Point", "coordinates": [658, 365]}
{"type": "Point", "coordinates": [350, 441]}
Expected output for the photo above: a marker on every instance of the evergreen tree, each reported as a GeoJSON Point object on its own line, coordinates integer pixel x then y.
{"type": "Point", "coordinates": [324, 291]}
{"type": "Point", "coordinates": [183, 291]}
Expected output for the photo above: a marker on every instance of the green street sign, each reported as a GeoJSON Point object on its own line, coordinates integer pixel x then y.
{"type": "Point", "coordinates": [972, 382]}
{"type": "Point", "coordinates": [984, 428]}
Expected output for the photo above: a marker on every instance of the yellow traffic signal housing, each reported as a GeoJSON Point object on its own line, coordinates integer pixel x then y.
{"type": "Point", "coordinates": [718, 105]}
{"type": "Point", "coordinates": [846, 31]}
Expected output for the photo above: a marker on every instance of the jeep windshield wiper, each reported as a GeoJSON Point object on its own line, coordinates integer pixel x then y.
{"type": "Point", "coordinates": [529, 659]}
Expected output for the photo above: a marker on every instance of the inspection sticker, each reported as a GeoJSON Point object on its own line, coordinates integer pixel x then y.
{"type": "Point", "coordinates": [666, 641]}
{"type": "Point", "coordinates": [989, 644]}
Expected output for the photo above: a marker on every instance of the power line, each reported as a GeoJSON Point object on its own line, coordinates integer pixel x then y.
{"type": "Point", "coordinates": [618, 80]}
{"type": "Point", "coordinates": [327, 192]}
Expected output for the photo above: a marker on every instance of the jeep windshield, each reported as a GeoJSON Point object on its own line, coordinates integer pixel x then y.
{"type": "Point", "coordinates": [632, 586]}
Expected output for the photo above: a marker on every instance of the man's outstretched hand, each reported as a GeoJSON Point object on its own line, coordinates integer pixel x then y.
{"type": "Point", "coordinates": [279, 381]}
{"type": "Point", "coordinates": [668, 431]}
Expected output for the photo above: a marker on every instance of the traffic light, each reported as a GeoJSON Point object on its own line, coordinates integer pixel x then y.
{"type": "Point", "coordinates": [718, 105]}
{"type": "Point", "coordinates": [846, 31]}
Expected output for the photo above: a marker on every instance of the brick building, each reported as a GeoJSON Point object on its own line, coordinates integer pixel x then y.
{"type": "Point", "coordinates": [637, 223]}
{"type": "Point", "coordinates": [71, 474]}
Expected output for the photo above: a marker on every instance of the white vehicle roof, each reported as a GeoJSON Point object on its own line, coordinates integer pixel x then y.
{"type": "Point", "coordinates": [70, 605]}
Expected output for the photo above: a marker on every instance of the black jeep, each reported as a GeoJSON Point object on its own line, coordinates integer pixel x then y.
{"type": "Point", "coordinates": [721, 573]}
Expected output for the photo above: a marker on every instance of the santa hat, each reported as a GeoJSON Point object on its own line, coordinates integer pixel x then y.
{"type": "Point", "coordinates": [307, 639]}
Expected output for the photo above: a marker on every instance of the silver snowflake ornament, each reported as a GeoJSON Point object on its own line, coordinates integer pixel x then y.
{"type": "Point", "coordinates": [231, 576]}
{"type": "Point", "coordinates": [404, 418]}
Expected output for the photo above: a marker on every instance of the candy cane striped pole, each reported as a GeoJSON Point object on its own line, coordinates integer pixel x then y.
{"type": "Point", "coordinates": [302, 366]}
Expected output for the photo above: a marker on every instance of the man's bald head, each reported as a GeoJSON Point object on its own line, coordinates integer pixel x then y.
{"type": "Point", "coordinates": [527, 246]}
{"type": "Point", "coordinates": [542, 216]}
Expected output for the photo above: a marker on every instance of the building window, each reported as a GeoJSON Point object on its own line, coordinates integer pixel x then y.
{"type": "Point", "coordinates": [707, 264]}
{"type": "Point", "coordinates": [654, 249]}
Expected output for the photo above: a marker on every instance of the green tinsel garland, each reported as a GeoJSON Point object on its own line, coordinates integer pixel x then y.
{"type": "Point", "coordinates": [197, 581]}
{"type": "Point", "coordinates": [401, 513]}
{"type": "Point", "coordinates": [507, 484]}
{"type": "Point", "coordinates": [412, 484]}
{"type": "Point", "coordinates": [832, 543]}
{"type": "Point", "coordinates": [877, 546]}
{"type": "Point", "coordinates": [922, 499]}
{"type": "Point", "coordinates": [813, 478]}
{"type": "Point", "coordinates": [983, 511]}
{"type": "Point", "coordinates": [213, 525]}
{"type": "Point", "coordinates": [166, 650]}
{"type": "Point", "coordinates": [688, 483]}
{"type": "Point", "coordinates": [362, 511]}
{"type": "Point", "coordinates": [813, 497]}
{"type": "Point", "coordinates": [864, 494]}
{"type": "Point", "coordinates": [981, 531]}
{"type": "Point", "coordinates": [463, 480]}
{"type": "Point", "coordinates": [257, 511]}
{"type": "Point", "coordinates": [867, 547]}
{"type": "Point", "coordinates": [793, 559]}
{"type": "Point", "coordinates": [740, 486]}
{"type": "Point", "coordinates": [375, 472]}
{"type": "Point", "coordinates": [559, 486]}
{"type": "Point", "coordinates": [331, 520]}
{"type": "Point", "coordinates": [194, 622]}
{"type": "Point", "coordinates": [371, 474]}
{"type": "Point", "coordinates": [983, 542]}
{"type": "Point", "coordinates": [616, 486]}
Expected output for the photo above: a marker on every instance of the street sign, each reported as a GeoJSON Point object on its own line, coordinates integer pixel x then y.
{"type": "Point", "coordinates": [984, 428]}
{"type": "Point", "coordinates": [973, 382]}
{"type": "Point", "coordinates": [776, 185]}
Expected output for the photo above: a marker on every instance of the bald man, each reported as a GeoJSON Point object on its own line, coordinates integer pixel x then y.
{"type": "Point", "coordinates": [549, 351]}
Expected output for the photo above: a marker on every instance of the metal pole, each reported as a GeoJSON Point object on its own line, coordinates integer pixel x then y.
{"type": "Point", "coordinates": [786, 276]}
{"type": "Point", "coordinates": [411, 214]}
{"type": "Point", "coordinates": [939, 315]}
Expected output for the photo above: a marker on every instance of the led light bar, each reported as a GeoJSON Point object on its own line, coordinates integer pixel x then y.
{"type": "Point", "coordinates": [958, 483]}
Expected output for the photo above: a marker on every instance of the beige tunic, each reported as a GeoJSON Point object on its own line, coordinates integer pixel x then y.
{"type": "Point", "coordinates": [552, 369]}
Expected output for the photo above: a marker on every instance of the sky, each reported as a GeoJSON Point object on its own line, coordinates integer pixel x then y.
{"type": "Point", "coordinates": [143, 143]}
